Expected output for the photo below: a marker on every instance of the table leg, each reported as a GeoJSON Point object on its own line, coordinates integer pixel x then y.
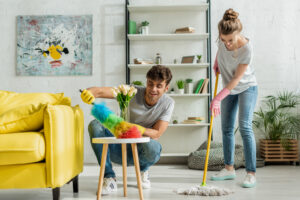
{"type": "Point", "coordinates": [124, 163]}
{"type": "Point", "coordinates": [137, 169]}
{"type": "Point", "coordinates": [102, 169]}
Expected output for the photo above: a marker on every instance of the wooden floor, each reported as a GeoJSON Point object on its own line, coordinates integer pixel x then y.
{"type": "Point", "coordinates": [273, 183]}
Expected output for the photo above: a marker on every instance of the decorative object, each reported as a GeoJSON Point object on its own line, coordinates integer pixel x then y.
{"type": "Point", "coordinates": [145, 28]}
{"type": "Point", "coordinates": [142, 61]}
{"type": "Point", "coordinates": [158, 60]}
{"type": "Point", "coordinates": [187, 59]}
{"type": "Point", "coordinates": [185, 30]}
{"type": "Point", "coordinates": [138, 83]}
{"type": "Point", "coordinates": [175, 61]}
{"type": "Point", "coordinates": [280, 125]}
{"type": "Point", "coordinates": [189, 86]}
{"type": "Point", "coordinates": [180, 86]}
{"type": "Point", "coordinates": [172, 91]}
{"type": "Point", "coordinates": [53, 45]}
{"type": "Point", "coordinates": [131, 27]}
{"type": "Point", "coordinates": [199, 58]}
{"type": "Point", "coordinates": [124, 94]}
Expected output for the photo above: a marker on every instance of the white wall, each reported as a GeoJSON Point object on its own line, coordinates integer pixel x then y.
{"type": "Point", "coordinates": [272, 27]}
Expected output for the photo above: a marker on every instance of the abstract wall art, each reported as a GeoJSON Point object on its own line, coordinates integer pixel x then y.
{"type": "Point", "coordinates": [54, 45]}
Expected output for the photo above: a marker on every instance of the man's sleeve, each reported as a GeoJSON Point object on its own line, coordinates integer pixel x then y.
{"type": "Point", "coordinates": [167, 114]}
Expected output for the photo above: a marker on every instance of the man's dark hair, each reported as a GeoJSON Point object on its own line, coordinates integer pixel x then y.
{"type": "Point", "coordinates": [160, 73]}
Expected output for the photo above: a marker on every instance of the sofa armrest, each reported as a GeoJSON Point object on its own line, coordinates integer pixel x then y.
{"type": "Point", "coordinates": [63, 127]}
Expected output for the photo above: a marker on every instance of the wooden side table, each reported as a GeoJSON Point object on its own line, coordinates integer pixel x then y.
{"type": "Point", "coordinates": [112, 140]}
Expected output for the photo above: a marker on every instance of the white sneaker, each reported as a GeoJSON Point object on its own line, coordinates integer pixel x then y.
{"type": "Point", "coordinates": [146, 184]}
{"type": "Point", "coordinates": [249, 181]}
{"type": "Point", "coordinates": [224, 174]}
{"type": "Point", "coordinates": [109, 186]}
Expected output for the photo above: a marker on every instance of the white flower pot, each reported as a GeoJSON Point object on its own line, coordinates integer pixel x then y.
{"type": "Point", "coordinates": [145, 30]}
{"type": "Point", "coordinates": [180, 91]}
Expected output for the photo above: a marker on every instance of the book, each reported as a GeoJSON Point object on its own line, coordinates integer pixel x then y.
{"type": "Point", "coordinates": [196, 118]}
{"type": "Point", "coordinates": [205, 86]}
{"type": "Point", "coordinates": [202, 86]}
{"type": "Point", "coordinates": [200, 83]}
{"type": "Point", "coordinates": [191, 122]}
{"type": "Point", "coordinates": [185, 30]}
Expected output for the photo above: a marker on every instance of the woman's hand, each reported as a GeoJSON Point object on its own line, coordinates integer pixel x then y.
{"type": "Point", "coordinates": [216, 102]}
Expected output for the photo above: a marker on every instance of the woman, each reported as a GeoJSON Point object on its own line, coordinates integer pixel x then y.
{"type": "Point", "coordinates": [233, 62]}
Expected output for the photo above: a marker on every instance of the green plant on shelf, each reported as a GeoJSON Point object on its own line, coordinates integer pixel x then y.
{"type": "Point", "coordinates": [189, 80]}
{"type": "Point", "coordinates": [138, 83]}
{"type": "Point", "coordinates": [199, 57]}
{"type": "Point", "coordinates": [145, 23]}
{"type": "Point", "coordinates": [180, 84]}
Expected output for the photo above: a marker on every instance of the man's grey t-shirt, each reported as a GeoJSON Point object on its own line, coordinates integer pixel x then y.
{"type": "Point", "coordinates": [228, 61]}
{"type": "Point", "coordinates": [147, 116]}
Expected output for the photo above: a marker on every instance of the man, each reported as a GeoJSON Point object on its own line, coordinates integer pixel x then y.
{"type": "Point", "coordinates": [150, 108]}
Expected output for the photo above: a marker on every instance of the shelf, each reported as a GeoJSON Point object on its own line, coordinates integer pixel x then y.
{"type": "Point", "coordinates": [170, 36]}
{"type": "Point", "coordinates": [177, 66]}
{"type": "Point", "coordinates": [188, 95]}
{"type": "Point", "coordinates": [197, 7]}
{"type": "Point", "coordinates": [189, 125]}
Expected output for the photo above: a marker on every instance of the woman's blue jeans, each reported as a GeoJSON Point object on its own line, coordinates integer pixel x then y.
{"type": "Point", "coordinates": [149, 153]}
{"type": "Point", "coordinates": [245, 103]}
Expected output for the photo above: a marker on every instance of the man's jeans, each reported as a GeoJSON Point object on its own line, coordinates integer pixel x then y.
{"type": "Point", "coordinates": [245, 102]}
{"type": "Point", "coordinates": [149, 153]}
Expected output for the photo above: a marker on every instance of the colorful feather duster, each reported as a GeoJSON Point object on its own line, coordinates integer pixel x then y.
{"type": "Point", "coordinates": [115, 124]}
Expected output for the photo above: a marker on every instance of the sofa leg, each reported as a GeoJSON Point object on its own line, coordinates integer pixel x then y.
{"type": "Point", "coordinates": [56, 193]}
{"type": "Point", "coordinates": [75, 185]}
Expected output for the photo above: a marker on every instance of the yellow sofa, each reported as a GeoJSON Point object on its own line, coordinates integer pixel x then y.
{"type": "Point", "coordinates": [47, 158]}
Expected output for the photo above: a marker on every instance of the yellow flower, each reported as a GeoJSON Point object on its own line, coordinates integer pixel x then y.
{"type": "Point", "coordinates": [132, 91]}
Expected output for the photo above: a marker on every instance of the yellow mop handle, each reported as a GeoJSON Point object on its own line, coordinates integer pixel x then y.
{"type": "Point", "coordinates": [209, 135]}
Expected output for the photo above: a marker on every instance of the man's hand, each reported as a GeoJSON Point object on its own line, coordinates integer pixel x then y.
{"type": "Point", "coordinates": [87, 97]}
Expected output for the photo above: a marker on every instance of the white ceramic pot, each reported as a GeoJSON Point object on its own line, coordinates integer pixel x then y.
{"type": "Point", "coordinates": [180, 91]}
{"type": "Point", "coordinates": [145, 30]}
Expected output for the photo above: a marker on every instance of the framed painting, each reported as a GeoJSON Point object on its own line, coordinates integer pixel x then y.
{"type": "Point", "coordinates": [54, 45]}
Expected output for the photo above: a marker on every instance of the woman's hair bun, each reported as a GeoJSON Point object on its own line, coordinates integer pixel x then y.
{"type": "Point", "coordinates": [230, 14]}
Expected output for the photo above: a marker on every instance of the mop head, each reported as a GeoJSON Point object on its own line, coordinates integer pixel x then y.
{"type": "Point", "coordinates": [204, 191]}
{"type": "Point", "coordinates": [115, 124]}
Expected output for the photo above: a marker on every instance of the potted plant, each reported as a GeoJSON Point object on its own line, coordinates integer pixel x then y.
{"type": "Point", "coordinates": [145, 28]}
{"type": "Point", "coordinates": [180, 86]}
{"type": "Point", "coordinates": [189, 86]}
{"type": "Point", "coordinates": [138, 83]}
{"type": "Point", "coordinates": [280, 125]}
{"type": "Point", "coordinates": [199, 58]}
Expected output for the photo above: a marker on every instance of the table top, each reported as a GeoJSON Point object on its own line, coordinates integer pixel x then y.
{"type": "Point", "coordinates": [114, 140]}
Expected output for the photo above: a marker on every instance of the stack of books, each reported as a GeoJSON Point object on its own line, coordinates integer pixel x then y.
{"type": "Point", "coordinates": [202, 86]}
{"type": "Point", "coordinates": [193, 120]}
{"type": "Point", "coordinates": [185, 30]}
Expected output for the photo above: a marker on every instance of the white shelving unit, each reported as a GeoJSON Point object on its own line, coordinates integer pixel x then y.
{"type": "Point", "coordinates": [171, 36]}
{"type": "Point", "coordinates": [168, 8]}
{"type": "Point", "coordinates": [182, 132]}
{"type": "Point", "coordinates": [173, 66]}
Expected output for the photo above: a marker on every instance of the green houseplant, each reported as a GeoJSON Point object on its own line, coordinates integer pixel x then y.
{"type": "Point", "coordinates": [138, 83]}
{"type": "Point", "coordinates": [180, 86]}
{"type": "Point", "coordinates": [199, 58]}
{"type": "Point", "coordinates": [145, 27]}
{"type": "Point", "coordinates": [280, 125]}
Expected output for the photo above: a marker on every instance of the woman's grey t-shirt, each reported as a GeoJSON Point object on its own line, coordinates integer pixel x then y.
{"type": "Point", "coordinates": [228, 61]}
{"type": "Point", "coordinates": [147, 116]}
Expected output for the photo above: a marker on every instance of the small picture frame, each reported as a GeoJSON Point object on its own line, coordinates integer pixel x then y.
{"type": "Point", "coordinates": [187, 59]}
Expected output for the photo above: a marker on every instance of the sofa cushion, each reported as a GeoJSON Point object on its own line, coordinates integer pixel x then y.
{"type": "Point", "coordinates": [22, 148]}
{"type": "Point", "coordinates": [21, 112]}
